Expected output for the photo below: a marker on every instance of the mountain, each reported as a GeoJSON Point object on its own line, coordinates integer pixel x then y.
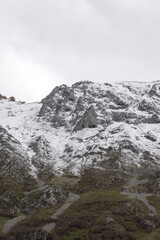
{"type": "Point", "coordinates": [88, 124]}
{"type": "Point", "coordinates": [110, 127]}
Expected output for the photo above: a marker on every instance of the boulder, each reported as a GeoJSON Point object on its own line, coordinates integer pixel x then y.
{"type": "Point", "coordinates": [12, 99]}
{"type": "Point", "coordinates": [57, 99]}
{"type": "Point", "coordinates": [154, 119]}
{"type": "Point", "coordinates": [147, 106]}
{"type": "Point", "coordinates": [155, 90]}
{"type": "Point", "coordinates": [2, 97]}
{"type": "Point", "coordinates": [88, 120]}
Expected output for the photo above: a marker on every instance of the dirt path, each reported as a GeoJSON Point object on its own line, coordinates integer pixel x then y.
{"type": "Point", "coordinates": [48, 227]}
{"type": "Point", "coordinates": [36, 190]}
{"type": "Point", "coordinates": [134, 182]}
{"type": "Point", "coordinates": [11, 223]}
{"type": "Point", "coordinates": [141, 196]}
{"type": "Point", "coordinates": [41, 186]}
{"type": "Point", "coordinates": [70, 200]}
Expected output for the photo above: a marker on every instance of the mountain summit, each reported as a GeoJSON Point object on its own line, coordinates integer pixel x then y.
{"type": "Point", "coordinates": [88, 124]}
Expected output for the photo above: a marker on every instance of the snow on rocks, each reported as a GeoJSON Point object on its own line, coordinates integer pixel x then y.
{"type": "Point", "coordinates": [116, 123]}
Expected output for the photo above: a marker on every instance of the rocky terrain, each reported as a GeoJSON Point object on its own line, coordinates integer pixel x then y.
{"type": "Point", "coordinates": [45, 147]}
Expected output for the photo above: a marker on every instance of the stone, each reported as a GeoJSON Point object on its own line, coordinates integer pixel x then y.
{"type": "Point", "coordinates": [88, 120]}
{"type": "Point", "coordinates": [79, 105]}
{"type": "Point", "coordinates": [154, 90]}
{"type": "Point", "coordinates": [2, 97]}
{"type": "Point", "coordinates": [12, 99]}
{"type": "Point", "coordinates": [150, 137]}
{"type": "Point", "coordinates": [147, 106]}
{"type": "Point", "coordinates": [109, 220]}
{"type": "Point", "coordinates": [154, 119]}
{"type": "Point", "coordinates": [57, 100]}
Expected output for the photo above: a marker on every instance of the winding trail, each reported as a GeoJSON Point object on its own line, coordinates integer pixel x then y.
{"type": "Point", "coordinates": [74, 197]}
{"type": "Point", "coordinates": [141, 196]}
{"type": "Point", "coordinates": [70, 200]}
{"type": "Point", "coordinates": [41, 186]}
{"type": "Point", "coordinates": [11, 223]}
{"type": "Point", "coordinates": [48, 227]}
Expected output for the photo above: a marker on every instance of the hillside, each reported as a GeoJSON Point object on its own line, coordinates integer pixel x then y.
{"type": "Point", "coordinates": [47, 147]}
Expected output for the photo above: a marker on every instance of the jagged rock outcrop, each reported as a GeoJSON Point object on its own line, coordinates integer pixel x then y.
{"type": "Point", "coordinates": [148, 106]}
{"type": "Point", "coordinates": [154, 119]}
{"type": "Point", "coordinates": [120, 104]}
{"type": "Point", "coordinates": [58, 101]}
{"type": "Point", "coordinates": [35, 200]}
{"type": "Point", "coordinates": [15, 172]}
{"type": "Point", "coordinates": [44, 146]}
{"type": "Point", "coordinates": [2, 97]}
{"type": "Point", "coordinates": [12, 99]}
{"type": "Point", "coordinates": [111, 115]}
{"type": "Point", "coordinates": [124, 116]}
{"type": "Point", "coordinates": [88, 120]}
{"type": "Point", "coordinates": [155, 90]}
{"type": "Point", "coordinates": [64, 106]}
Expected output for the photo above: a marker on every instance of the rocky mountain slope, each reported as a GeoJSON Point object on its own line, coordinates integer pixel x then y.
{"type": "Point", "coordinates": [88, 124]}
{"type": "Point", "coordinates": [87, 139]}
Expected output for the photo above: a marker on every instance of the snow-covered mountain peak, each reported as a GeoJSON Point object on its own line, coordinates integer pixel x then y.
{"type": "Point", "coordinates": [88, 124]}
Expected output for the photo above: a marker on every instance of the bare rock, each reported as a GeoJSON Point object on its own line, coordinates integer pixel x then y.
{"type": "Point", "coordinates": [29, 234]}
{"type": "Point", "coordinates": [155, 90]}
{"type": "Point", "coordinates": [154, 119]}
{"type": "Point", "coordinates": [150, 137]}
{"type": "Point", "coordinates": [109, 220]}
{"type": "Point", "coordinates": [12, 99]}
{"type": "Point", "coordinates": [2, 97]}
{"type": "Point", "coordinates": [88, 120]}
{"type": "Point", "coordinates": [56, 101]}
{"type": "Point", "coordinates": [147, 106]}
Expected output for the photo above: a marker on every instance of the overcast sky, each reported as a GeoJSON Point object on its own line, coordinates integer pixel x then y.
{"type": "Point", "coordinates": [44, 43]}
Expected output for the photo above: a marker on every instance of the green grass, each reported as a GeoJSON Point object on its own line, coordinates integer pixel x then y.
{"type": "Point", "coordinates": [100, 201]}
{"type": "Point", "coordinates": [93, 208]}
{"type": "Point", "coordinates": [103, 195]}
{"type": "Point", "coordinates": [92, 179]}
{"type": "Point", "coordinates": [2, 222]}
{"type": "Point", "coordinates": [155, 201]}
{"type": "Point", "coordinates": [46, 212]}
{"type": "Point", "coordinates": [153, 236]}
{"type": "Point", "coordinates": [79, 233]}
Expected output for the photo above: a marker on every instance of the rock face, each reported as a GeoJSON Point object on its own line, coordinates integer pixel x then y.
{"type": "Point", "coordinates": [155, 90]}
{"type": "Point", "coordinates": [12, 99]}
{"type": "Point", "coordinates": [148, 106]}
{"type": "Point", "coordinates": [87, 124]}
{"type": "Point", "coordinates": [15, 172]}
{"type": "Point", "coordinates": [154, 118]}
{"type": "Point", "coordinates": [88, 120]}
{"type": "Point", "coordinates": [66, 106]}
{"type": "Point", "coordinates": [59, 100]}
{"type": "Point", "coordinates": [2, 97]}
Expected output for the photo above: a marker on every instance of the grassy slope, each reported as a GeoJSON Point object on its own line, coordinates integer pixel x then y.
{"type": "Point", "coordinates": [102, 212]}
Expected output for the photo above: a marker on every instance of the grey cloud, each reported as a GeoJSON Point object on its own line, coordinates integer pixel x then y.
{"type": "Point", "coordinates": [45, 43]}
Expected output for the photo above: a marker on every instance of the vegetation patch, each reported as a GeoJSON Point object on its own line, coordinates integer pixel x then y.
{"type": "Point", "coordinates": [102, 212]}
